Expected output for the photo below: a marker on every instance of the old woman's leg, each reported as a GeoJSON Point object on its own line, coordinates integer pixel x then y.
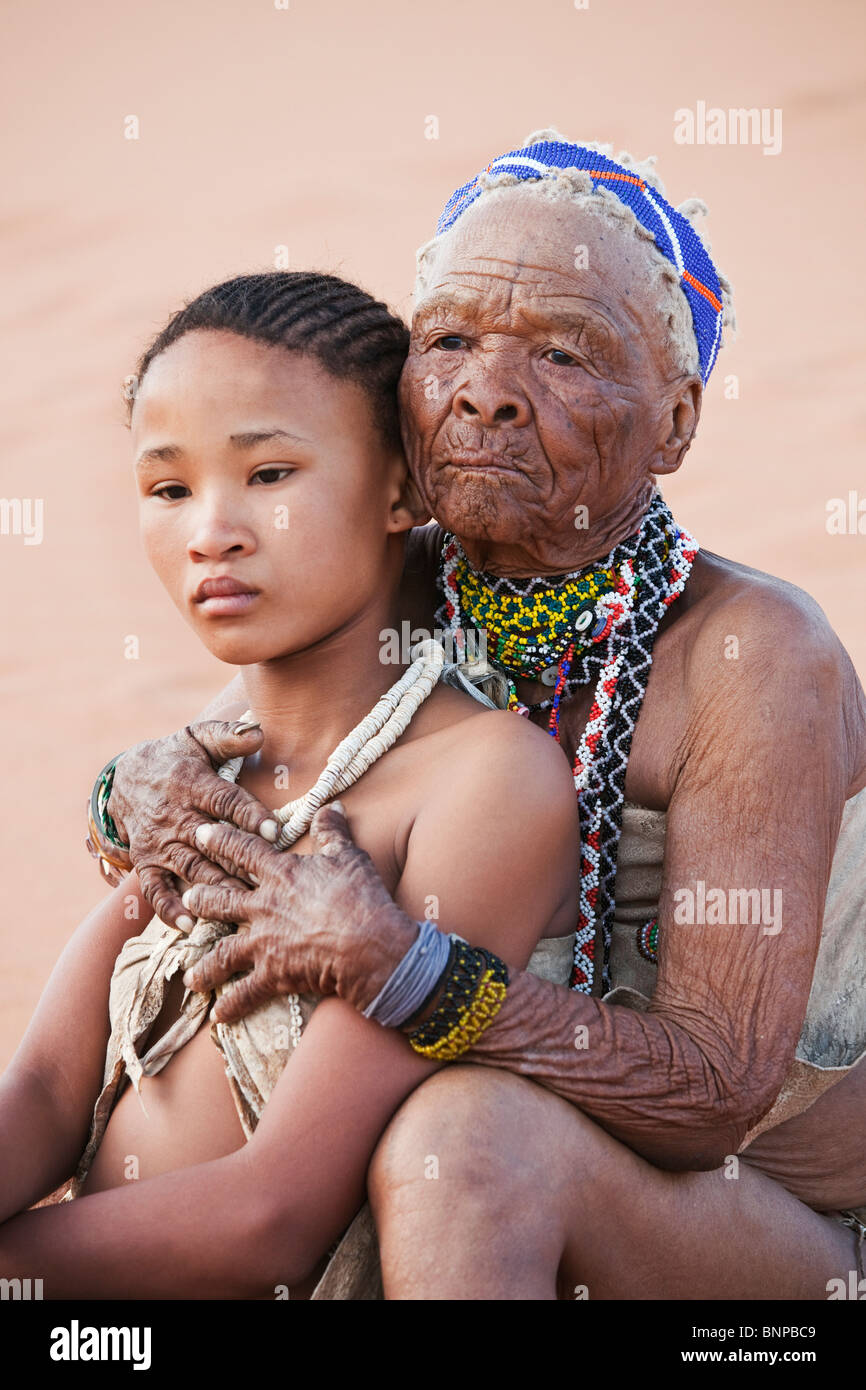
{"type": "Point", "coordinates": [487, 1186]}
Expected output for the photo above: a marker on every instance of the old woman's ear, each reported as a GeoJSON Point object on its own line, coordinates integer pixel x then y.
{"type": "Point", "coordinates": [678, 423]}
{"type": "Point", "coordinates": [407, 507]}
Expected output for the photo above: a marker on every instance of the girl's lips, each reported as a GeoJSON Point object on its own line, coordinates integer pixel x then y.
{"type": "Point", "coordinates": [227, 605]}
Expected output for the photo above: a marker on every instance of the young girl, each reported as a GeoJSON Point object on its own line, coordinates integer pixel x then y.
{"type": "Point", "coordinates": [275, 504]}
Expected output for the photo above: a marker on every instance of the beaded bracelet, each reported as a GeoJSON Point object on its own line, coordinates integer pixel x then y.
{"type": "Point", "coordinates": [485, 1005]}
{"type": "Point", "coordinates": [456, 988]}
{"type": "Point", "coordinates": [473, 994]}
{"type": "Point", "coordinates": [104, 843]}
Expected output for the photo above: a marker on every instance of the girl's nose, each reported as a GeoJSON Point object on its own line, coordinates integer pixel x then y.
{"type": "Point", "coordinates": [218, 533]}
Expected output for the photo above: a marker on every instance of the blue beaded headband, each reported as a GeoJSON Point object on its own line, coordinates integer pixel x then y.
{"type": "Point", "coordinates": [674, 235]}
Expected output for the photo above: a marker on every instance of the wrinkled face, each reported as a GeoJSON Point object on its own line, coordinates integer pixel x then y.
{"type": "Point", "coordinates": [254, 464]}
{"type": "Point", "coordinates": [538, 382]}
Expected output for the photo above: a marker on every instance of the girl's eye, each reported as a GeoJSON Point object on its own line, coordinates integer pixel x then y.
{"type": "Point", "coordinates": [555, 355]}
{"type": "Point", "coordinates": [169, 487]}
{"type": "Point", "coordinates": [268, 475]}
{"type": "Point", "coordinates": [449, 342]}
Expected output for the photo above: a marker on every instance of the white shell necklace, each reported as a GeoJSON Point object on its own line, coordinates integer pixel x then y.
{"type": "Point", "coordinates": [376, 733]}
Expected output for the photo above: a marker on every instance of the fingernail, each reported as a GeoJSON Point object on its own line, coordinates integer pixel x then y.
{"type": "Point", "coordinates": [203, 834]}
{"type": "Point", "coordinates": [243, 726]}
{"type": "Point", "coordinates": [185, 923]}
{"type": "Point", "coordinates": [185, 899]}
{"type": "Point", "coordinates": [338, 806]}
{"type": "Point", "coordinates": [269, 830]}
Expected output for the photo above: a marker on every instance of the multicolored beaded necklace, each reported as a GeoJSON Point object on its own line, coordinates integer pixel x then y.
{"type": "Point", "coordinates": [529, 627]}
{"type": "Point", "coordinates": [598, 623]}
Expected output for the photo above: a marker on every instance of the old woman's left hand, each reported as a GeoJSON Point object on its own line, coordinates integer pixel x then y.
{"type": "Point", "coordinates": [321, 923]}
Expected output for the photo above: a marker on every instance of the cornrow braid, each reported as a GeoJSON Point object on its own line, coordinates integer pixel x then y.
{"type": "Point", "coordinates": [352, 335]}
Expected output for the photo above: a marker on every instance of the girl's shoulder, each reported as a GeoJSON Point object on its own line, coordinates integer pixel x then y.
{"type": "Point", "coordinates": [485, 747]}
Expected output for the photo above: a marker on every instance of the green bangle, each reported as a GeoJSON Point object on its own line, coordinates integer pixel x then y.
{"type": "Point", "coordinates": [99, 804]}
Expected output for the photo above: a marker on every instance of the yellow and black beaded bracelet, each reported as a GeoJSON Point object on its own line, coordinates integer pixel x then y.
{"type": "Point", "coordinates": [460, 982]}
{"type": "Point", "coordinates": [471, 1000]}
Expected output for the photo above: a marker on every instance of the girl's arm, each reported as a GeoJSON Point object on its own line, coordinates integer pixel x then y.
{"type": "Point", "coordinates": [48, 1091]}
{"type": "Point", "coordinates": [498, 851]}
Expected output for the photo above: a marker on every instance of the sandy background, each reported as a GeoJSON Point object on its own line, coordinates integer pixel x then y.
{"type": "Point", "coordinates": [306, 127]}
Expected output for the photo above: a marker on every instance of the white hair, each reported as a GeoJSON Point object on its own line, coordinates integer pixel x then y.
{"type": "Point", "coordinates": [576, 185]}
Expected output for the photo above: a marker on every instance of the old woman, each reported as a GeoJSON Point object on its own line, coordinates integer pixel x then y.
{"type": "Point", "coordinates": [683, 1116]}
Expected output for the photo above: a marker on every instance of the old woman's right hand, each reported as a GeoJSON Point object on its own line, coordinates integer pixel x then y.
{"type": "Point", "coordinates": [164, 789]}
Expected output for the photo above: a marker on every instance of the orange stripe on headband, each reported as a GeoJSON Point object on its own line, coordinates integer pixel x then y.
{"type": "Point", "coordinates": [687, 275]}
{"type": "Point", "coordinates": [627, 178]}
{"type": "Point", "coordinates": [702, 289]}
{"type": "Point", "coordinates": [468, 192]}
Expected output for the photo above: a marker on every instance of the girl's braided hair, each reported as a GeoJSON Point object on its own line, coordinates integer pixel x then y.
{"type": "Point", "coordinates": [352, 335]}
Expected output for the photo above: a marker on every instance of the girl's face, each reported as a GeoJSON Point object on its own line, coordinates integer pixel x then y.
{"type": "Point", "coordinates": [256, 467]}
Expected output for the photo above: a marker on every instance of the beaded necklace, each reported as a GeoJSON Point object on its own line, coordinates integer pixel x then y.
{"type": "Point", "coordinates": [366, 743]}
{"type": "Point", "coordinates": [531, 625]}
{"type": "Point", "coordinates": [610, 641]}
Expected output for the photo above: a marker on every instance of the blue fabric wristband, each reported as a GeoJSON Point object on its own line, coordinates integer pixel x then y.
{"type": "Point", "coordinates": [414, 978]}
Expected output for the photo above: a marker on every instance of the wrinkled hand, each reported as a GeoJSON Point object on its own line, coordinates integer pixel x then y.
{"type": "Point", "coordinates": [321, 923]}
{"type": "Point", "coordinates": [164, 789]}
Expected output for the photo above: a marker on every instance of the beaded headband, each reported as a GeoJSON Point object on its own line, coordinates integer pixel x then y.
{"type": "Point", "coordinates": [674, 234]}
